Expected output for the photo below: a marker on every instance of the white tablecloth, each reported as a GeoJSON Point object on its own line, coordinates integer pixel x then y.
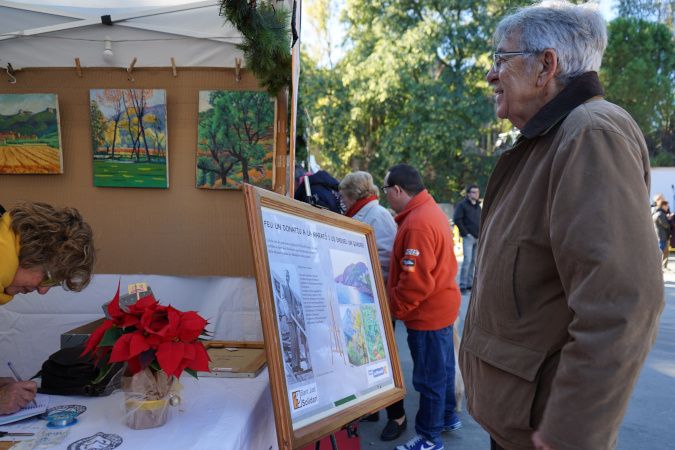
{"type": "Point", "coordinates": [220, 413]}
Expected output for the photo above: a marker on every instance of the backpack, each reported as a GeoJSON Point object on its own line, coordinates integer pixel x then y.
{"type": "Point", "coordinates": [66, 373]}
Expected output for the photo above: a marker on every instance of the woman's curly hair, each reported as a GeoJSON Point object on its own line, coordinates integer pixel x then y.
{"type": "Point", "coordinates": [59, 238]}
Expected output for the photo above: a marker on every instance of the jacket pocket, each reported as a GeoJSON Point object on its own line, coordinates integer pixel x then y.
{"type": "Point", "coordinates": [515, 359]}
{"type": "Point", "coordinates": [507, 282]}
{"type": "Point", "coordinates": [502, 384]}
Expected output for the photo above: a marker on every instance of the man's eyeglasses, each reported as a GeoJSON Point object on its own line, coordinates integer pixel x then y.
{"type": "Point", "coordinates": [384, 188]}
{"type": "Point", "coordinates": [49, 282]}
{"type": "Point", "coordinates": [498, 58]}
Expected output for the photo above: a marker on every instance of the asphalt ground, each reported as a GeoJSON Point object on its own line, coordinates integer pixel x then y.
{"type": "Point", "coordinates": [649, 423]}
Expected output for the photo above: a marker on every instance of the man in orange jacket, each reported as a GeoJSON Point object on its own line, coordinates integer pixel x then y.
{"type": "Point", "coordinates": [423, 294]}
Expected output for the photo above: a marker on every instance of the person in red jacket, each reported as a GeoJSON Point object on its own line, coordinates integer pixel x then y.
{"type": "Point", "coordinates": [423, 294]}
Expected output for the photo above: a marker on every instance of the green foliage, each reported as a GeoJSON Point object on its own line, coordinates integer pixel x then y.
{"type": "Point", "coordinates": [410, 90]}
{"type": "Point", "coordinates": [266, 40]}
{"type": "Point", "coordinates": [638, 74]}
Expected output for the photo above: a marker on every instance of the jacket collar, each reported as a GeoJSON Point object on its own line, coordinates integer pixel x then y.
{"type": "Point", "coordinates": [414, 202]}
{"type": "Point", "coordinates": [574, 94]}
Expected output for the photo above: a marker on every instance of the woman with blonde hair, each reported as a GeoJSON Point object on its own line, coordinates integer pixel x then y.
{"type": "Point", "coordinates": [40, 247]}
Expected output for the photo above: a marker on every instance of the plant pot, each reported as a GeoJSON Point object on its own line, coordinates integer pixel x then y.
{"type": "Point", "coordinates": [148, 396]}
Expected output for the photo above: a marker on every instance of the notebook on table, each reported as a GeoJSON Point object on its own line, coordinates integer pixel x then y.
{"type": "Point", "coordinates": [29, 410]}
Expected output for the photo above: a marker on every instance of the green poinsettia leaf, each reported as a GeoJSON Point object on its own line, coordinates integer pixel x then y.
{"type": "Point", "coordinates": [103, 372]}
{"type": "Point", "coordinates": [155, 365]}
{"type": "Point", "coordinates": [192, 372]}
{"type": "Point", "coordinates": [110, 337]}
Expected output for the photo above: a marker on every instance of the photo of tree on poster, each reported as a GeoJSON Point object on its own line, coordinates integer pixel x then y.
{"type": "Point", "coordinates": [128, 131]}
{"type": "Point", "coordinates": [235, 139]}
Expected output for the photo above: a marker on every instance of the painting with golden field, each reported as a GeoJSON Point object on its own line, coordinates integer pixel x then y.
{"type": "Point", "coordinates": [30, 137]}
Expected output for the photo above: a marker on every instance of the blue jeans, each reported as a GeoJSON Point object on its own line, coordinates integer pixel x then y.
{"type": "Point", "coordinates": [470, 247]}
{"type": "Point", "coordinates": [433, 358]}
{"type": "Point", "coordinates": [662, 245]}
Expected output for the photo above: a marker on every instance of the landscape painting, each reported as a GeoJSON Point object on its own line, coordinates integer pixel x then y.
{"type": "Point", "coordinates": [129, 137]}
{"type": "Point", "coordinates": [235, 139]}
{"type": "Point", "coordinates": [30, 139]}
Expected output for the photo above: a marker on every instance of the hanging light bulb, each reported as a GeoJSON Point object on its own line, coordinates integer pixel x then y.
{"type": "Point", "coordinates": [108, 53]}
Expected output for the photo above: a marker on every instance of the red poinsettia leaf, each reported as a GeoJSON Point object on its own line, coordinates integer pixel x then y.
{"type": "Point", "coordinates": [114, 306]}
{"type": "Point", "coordinates": [135, 365]}
{"type": "Point", "coordinates": [96, 337]}
{"type": "Point", "coordinates": [155, 321]}
{"type": "Point", "coordinates": [143, 304]}
{"type": "Point", "coordinates": [191, 326]}
{"type": "Point", "coordinates": [154, 340]}
{"type": "Point", "coordinates": [127, 346]}
{"type": "Point", "coordinates": [129, 320]}
{"type": "Point", "coordinates": [169, 356]}
{"type": "Point", "coordinates": [200, 363]}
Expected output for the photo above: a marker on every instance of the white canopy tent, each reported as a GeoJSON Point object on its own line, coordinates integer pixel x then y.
{"type": "Point", "coordinates": [50, 33]}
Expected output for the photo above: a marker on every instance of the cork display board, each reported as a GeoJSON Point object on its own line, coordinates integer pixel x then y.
{"type": "Point", "coordinates": [178, 231]}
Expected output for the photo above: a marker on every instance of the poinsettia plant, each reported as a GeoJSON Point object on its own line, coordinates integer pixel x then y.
{"type": "Point", "coordinates": [149, 334]}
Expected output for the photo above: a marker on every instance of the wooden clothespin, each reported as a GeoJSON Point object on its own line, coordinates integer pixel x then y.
{"type": "Point", "coordinates": [130, 68]}
{"type": "Point", "coordinates": [79, 69]}
{"type": "Point", "coordinates": [10, 72]}
{"type": "Point", "coordinates": [173, 66]}
{"type": "Point", "coordinates": [237, 68]}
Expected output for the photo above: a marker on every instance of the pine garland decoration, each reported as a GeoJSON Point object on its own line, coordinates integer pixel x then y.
{"type": "Point", "coordinates": [266, 40]}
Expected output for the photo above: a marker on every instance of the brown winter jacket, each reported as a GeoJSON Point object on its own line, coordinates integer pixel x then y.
{"type": "Point", "coordinates": [567, 299]}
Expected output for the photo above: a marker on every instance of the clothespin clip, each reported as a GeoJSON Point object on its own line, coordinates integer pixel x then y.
{"type": "Point", "coordinates": [237, 68]}
{"type": "Point", "coordinates": [79, 69]}
{"type": "Point", "coordinates": [173, 66]}
{"type": "Point", "coordinates": [10, 72]}
{"type": "Point", "coordinates": [130, 68]}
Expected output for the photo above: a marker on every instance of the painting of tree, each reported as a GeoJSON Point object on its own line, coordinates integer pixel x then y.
{"type": "Point", "coordinates": [235, 139]}
{"type": "Point", "coordinates": [129, 137]}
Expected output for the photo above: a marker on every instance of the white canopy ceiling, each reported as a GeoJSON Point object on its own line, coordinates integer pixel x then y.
{"type": "Point", "coordinates": [52, 33]}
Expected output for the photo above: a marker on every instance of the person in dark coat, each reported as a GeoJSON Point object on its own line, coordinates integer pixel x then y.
{"type": "Point", "coordinates": [661, 223]}
{"type": "Point", "coordinates": [325, 192]}
{"type": "Point", "coordinates": [467, 219]}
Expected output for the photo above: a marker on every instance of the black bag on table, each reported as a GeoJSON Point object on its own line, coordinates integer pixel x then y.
{"type": "Point", "coordinates": [65, 373]}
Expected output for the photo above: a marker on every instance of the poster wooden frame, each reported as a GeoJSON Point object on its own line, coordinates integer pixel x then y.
{"type": "Point", "coordinates": [256, 198]}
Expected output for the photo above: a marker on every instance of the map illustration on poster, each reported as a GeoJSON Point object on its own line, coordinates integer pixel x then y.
{"type": "Point", "coordinates": [328, 316]}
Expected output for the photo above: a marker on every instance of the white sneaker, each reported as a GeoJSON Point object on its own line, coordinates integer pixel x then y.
{"type": "Point", "coordinates": [419, 443]}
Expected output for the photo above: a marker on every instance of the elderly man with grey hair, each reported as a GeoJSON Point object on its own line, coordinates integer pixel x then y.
{"type": "Point", "coordinates": [567, 299]}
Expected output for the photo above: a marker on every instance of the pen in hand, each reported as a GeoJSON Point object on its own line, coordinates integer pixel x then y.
{"type": "Point", "coordinates": [17, 377]}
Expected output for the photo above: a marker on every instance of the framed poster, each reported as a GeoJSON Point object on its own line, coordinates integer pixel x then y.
{"type": "Point", "coordinates": [329, 339]}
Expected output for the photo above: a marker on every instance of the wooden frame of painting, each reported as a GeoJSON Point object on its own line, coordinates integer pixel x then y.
{"type": "Point", "coordinates": [30, 134]}
{"type": "Point", "coordinates": [329, 337]}
{"type": "Point", "coordinates": [236, 139]}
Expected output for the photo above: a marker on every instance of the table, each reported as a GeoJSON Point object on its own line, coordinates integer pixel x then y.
{"type": "Point", "coordinates": [220, 413]}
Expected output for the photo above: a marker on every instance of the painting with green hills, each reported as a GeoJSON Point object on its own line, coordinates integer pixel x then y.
{"type": "Point", "coordinates": [30, 140]}
{"type": "Point", "coordinates": [129, 137]}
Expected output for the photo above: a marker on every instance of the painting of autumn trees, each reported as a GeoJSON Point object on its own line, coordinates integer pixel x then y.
{"type": "Point", "coordinates": [235, 139]}
{"type": "Point", "coordinates": [128, 131]}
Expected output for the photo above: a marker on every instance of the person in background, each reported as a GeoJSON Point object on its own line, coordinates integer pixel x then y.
{"type": "Point", "coordinates": [40, 247]}
{"type": "Point", "coordinates": [423, 294]}
{"type": "Point", "coordinates": [325, 192]}
{"type": "Point", "coordinates": [671, 219]}
{"type": "Point", "coordinates": [467, 219]}
{"type": "Point", "coordinates": [567, 299]}
{"type": "Point", "coordinates": [359, 195]}
{"type": "Point", "coordinates": [662, 224]}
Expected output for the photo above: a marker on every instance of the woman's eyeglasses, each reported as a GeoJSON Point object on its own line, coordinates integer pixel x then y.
{"type": "Point", "coordinates": [49, 282]}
